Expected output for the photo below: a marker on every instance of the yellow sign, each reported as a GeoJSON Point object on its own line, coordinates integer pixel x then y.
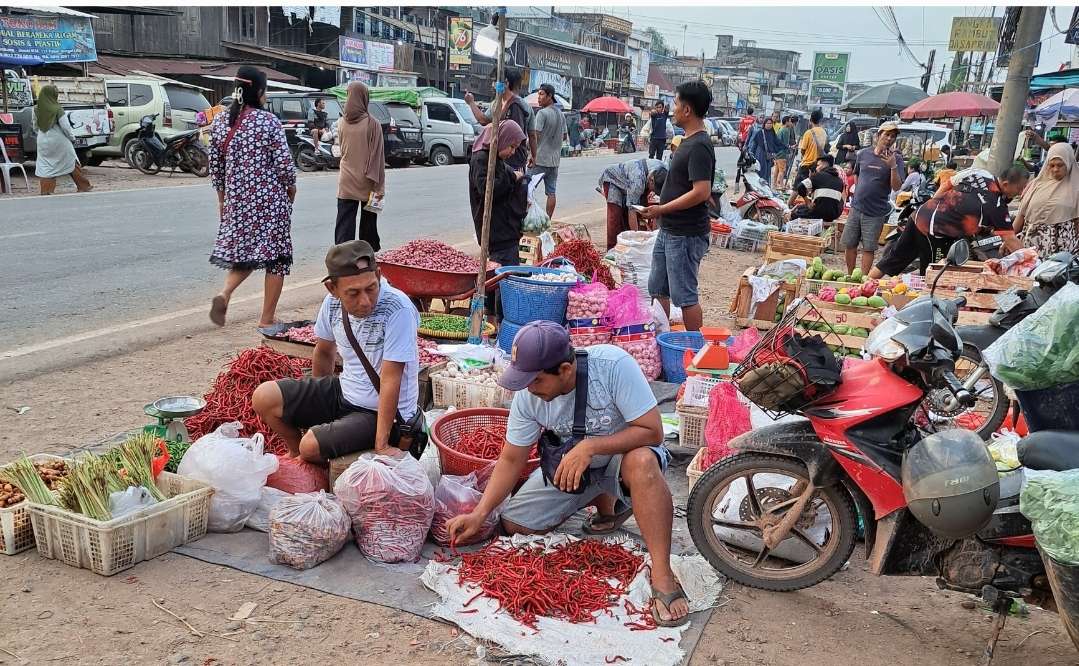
{"type": "Point", "coordinates": [460, 36]}
{"type": "Point", "coordinates": [974, 34]}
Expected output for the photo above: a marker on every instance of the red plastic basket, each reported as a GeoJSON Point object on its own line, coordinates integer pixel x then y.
{"type": "Point", "coordinates": [447, 429]}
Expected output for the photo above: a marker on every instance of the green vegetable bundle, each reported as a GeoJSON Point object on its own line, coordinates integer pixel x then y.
{"type": "Point", "coordinates": [1051, 501]}
{"type": "Point", "coordinates": [25, 477]}
{"type": "Point", "coordinates": [87, 488]}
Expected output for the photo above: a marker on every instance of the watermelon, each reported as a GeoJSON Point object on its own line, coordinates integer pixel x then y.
{"type": "Point", "coordinates": [860, 301]}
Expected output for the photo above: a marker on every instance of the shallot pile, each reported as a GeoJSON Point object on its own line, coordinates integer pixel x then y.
{"type": "Point", "coordinates": [587, 301]}
{"type": "Point", "coordinates": [304, 334]}
{"type": "Point", "coordinates": [643, 348]}
{"type": "Point", "coordinates": [432, 255]}
{"type": "Point", "coordinates": [427, 355]}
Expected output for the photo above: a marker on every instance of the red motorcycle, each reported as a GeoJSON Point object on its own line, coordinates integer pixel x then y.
{"type": "Point", "coordinates": [758, 201]}
{"type": "Point", "coordinates": [784, 511]}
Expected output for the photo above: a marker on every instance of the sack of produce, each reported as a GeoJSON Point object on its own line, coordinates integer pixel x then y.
{"type": "Point", "coordinates": [536, 220]}
{"type": "Point", "coordinates": [235, 467]}
{"type": "Point", "coordinates": [587, 301]}
{"type": "Point", "coordinates": [268, 498]}
{"type": "Point", "coordinates": [639, 341]}
{"type": "Point", "coordinates": [1050, 500]}
{"type": "Point", "coordinates": [295, 475]}
{"type": "Point", "coordinates": [588, 332]}
{"type": "Point", "coordinates": [728, 417]}
{"type": "Point", "coordinates": [456, 496]}
{"type": "Point", "coordinates": [1040, 351]}
{"type": "Point", "coordinates": [391, 503]}
{"type": "Point", "coordinates": [632, 258]}
{"type": "Point", "coordinates": [742, 344]}
{"type": "Point", "coordinates": [307, 529]}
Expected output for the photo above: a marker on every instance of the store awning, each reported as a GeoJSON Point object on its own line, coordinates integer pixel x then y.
{"type": "Point", "coordinates": [269, 84]}
{"type": "Point", "coordinates": [62, 11]}
{"type": "Point", "coordinates": [129, 65]}
{"type": "Point", "coordinates": [271, 53]}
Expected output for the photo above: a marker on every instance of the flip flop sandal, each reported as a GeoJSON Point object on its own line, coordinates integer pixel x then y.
{"type": "Point", "coordinates": [218, 307]}
{"type": "Point", "coordinates": [668, 598]}
{"type": "Point", "coordinates": [616, 520]}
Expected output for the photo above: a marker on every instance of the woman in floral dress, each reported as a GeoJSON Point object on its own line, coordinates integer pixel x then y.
{"type": "Point", "coordinates": [255, 177]}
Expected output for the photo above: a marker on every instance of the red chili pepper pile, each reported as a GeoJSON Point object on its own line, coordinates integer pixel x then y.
{"type": "Point", "coordinates": [570, 582]}
{"type": "Point", "coordinates": [486, 442]}
{"type": "Point", "coordinates": [432, 255]}
{"type": "Point", "coordinates": [585, 259]}
{"type": "Point", "coordinates": [230, 397]}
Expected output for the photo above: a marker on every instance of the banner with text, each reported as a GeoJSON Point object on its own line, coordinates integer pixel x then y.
{"type": "Point", "coordinates": [563, 85]}
{"type": "Point", "coordinates": [365, 54]}
{"type": "Point", "coordinates": [36, 39]}
{"type": "Point", "coordinates": [549, 59]}
{"type": "Point", "coordinates": [974, 34]}
{"type": "Point", "coordinates": [829, 77]}
{"type": "Point", "coordinates": [460, 41]}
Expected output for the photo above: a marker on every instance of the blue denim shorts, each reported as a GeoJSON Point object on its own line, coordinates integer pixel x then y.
{"type": "Point", "coordinates": [675, 263]}
{"type": "Point", "coordinates": [550, 178]}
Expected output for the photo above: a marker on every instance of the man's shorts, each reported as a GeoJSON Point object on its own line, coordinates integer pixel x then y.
{"type": "Point", "coordinates": [676, 261]}
{"type": "Point", "coordinates": [550, 177]}
{"type": "Point", "coordinates": [540, 507]}
{"type": "Point", "coordinates": [340, 428]}
{"type": "Point", "coordinates": [862, 230]}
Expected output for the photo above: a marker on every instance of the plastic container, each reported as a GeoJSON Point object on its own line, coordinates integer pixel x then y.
{"type": "Point", "coordinates": [672, 347]}
{"type": "Point", "coordinates": [507, 330]}
{"type": "Point", "coordinates": [109, 547]}
{"type": "Point", "coordinates": [16, 533]}
{"type": "Point", "coordinates": [1053, 408]}
{"type": "Point", "coordinates": [525, 300]}
{"type": "Point", "coordinates": [446, 430]}
{"type": "Point", "coordinates": [805, 227]}
{"type": "Point", "coordinates": [465, 394]}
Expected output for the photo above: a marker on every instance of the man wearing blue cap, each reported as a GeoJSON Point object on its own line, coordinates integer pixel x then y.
{"type": "Point", "coordinates": [621, 452]}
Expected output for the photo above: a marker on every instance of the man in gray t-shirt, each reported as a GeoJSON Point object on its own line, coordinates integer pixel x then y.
{"type": "Point", "coordinates": [550, 126]}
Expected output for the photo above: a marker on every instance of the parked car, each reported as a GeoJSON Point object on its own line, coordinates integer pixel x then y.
{"type": "Point", "coordinates": [721, 132]}
{"type": "Point", "coordinates": [449, 130]}
{"type": "Point", "coordinates": [84, 101]}
{"type": "Point", "coordinates": [403, 135]}
{"type": "Point", "coordinates": [295, 109]}
{"type": "Point", "coordinates": [132, 98]}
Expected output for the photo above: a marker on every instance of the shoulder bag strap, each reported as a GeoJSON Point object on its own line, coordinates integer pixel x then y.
{"type": "Point", "coordinates": [232, 132]}
{"type": "Point", "coordinates": [371, 374]}
{"type": "Point", "coordinates": [580, 399]}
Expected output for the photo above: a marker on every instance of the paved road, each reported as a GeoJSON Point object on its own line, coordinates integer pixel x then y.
{"type": "Point", "coordinates": [78, 263]}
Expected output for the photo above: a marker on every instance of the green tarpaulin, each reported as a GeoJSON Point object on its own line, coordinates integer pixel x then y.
{"type": "Point", "coordinates": [411, 96]}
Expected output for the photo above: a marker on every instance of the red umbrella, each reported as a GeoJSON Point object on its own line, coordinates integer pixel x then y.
{"type": "Point", "coordinates": [951, 105]}
{"type": "Point", "coordinates": [607, 104]}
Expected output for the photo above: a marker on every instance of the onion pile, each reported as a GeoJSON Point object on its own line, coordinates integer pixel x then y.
{"type": "Point", "coordinates": [644, 350]}
{"type": "Point", "coordinates": [588, 301]}
{"type": "Point", "coordinates": [432, 255]}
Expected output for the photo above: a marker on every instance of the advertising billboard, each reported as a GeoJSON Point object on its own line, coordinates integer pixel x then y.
{"type": "Point", "coordinates": [37, 39]}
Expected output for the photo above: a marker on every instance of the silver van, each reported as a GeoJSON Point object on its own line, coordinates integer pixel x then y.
{"type": "Point", "coordinates": [449, 130]}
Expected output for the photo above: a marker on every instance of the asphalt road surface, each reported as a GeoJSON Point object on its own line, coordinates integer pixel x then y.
{"type": "Point", "coordinates": [74, 264]}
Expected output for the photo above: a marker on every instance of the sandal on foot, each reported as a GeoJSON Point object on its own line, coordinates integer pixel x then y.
{"type": "Point", "coordinates": [616, 521]}
{"type": "Point", "coordinates": [218, 307]}
{"type": "Point", "coordinates": [668, 598]}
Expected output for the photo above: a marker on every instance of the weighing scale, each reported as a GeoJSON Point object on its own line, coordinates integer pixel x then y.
{"type": "Point", "coordinates": [712, 360]}
{"type": "Point", "coordinates": [170, 413]}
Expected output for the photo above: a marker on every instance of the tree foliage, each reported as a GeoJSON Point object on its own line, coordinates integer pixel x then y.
{"type": "Point", "coordinates": [659, 43]}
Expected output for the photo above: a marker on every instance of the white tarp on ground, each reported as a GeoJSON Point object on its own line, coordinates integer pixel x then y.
{"type": "Point", "coordinates": [583, 644]}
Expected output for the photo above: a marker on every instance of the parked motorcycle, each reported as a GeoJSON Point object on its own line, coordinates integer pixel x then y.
{"type": "Point", "coordinates": [757, 201]}
{"type": "Point", "coordinates": [149, 154]}
{"type": "Point", "coordinates": [780, 513]}
{"type": "Point", "coordinates": [625, 140]}
{"type": "Point", "coordinates": [310, 156]}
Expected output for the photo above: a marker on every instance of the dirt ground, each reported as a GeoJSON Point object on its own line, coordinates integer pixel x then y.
{"type": "Point", "coordinates": [53, 613]}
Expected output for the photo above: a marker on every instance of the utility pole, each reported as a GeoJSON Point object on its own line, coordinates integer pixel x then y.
{"type": "Point", "coordinates": [928, 76]}
{"type": "Point", "coordinates": [684, 29]}
{"type": "Point", "coordinates": [1016, 87]}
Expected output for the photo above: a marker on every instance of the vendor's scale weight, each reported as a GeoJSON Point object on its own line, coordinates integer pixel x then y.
{"type": "Point", "coordinates": [170, 413]}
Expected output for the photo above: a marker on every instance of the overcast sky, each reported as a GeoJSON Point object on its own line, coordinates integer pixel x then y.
{"type": "Point", "coordinates": [875, 53]}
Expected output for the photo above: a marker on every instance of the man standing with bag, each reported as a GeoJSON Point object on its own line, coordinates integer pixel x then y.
{"type": "Point", "coordinates": [373, 404]}
{"type": "Point", "coordinates": [880, 171]}
{"type": "Point", "coordinates": [814, 143]}
{"type": "Point", "coordinates": [601, 442]}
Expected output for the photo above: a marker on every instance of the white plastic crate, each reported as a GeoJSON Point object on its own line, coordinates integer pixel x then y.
{"type": "Point", "coordinates": [722, 241]}
{"type": "Point", "coordinates": [108, 547]}
{"type": "Point", "coordinates": [462, 393]}
{"type": "Point", "coordinates": [16, 533]}
{"type": "Point", "coordinates": [697, 390]}
{"type": "Point", "coordinates": [691, 422]}
{"type": "Point", "coordinates": [805, 227]}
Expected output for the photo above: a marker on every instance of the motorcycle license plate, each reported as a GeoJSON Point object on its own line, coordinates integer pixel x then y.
{"type": "Point", "coordinates": [336, 150]}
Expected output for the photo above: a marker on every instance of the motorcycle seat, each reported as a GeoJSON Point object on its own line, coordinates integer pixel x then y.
{"type": "Point", "coordinates": [1055, 450]}
{"type": "Point", "coordinates": [181, 136]}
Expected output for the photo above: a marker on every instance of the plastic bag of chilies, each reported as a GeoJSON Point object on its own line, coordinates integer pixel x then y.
{"type": "Point", "coordinates": [457, 496]}
{"type": "Point", "coordinates": [307, 529]}
{"type": "Point", "coordinates": [391, 503]}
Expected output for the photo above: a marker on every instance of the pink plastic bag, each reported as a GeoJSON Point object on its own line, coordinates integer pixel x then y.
{"type": "Point", "coordinates": [742, 344]}
{"type": "Point", "coordinates": [728, 417]}
{"type": "Point", "coordinates": [456, 496]}
{"type": "Point", "coordinates": [298, 476]}
{"type": "Point", "coordinates": [587, 301]}
{"type": "Point", "coordinates": [624, 308]}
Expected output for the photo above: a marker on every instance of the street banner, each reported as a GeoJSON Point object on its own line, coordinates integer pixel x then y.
{"type": "Point", "coordinates": [460, 40]}
{"type": "Point", "coordinates": [18, 93]}
{"type": "Point", "coordinates": [549, 59]}
{"type": "Point", "coordinates": [364, 54]}
{"type": "Point", "coordinates": [975, 34]}
{"type": "Point", "coordinates": [826, 93]}
{"type": "Point", "coordinates": [47, 39]}
{"type": "Point", "coordinates": [639, 60]}
{"type": "Point", "coordinates": [754, 94]}
{"type": "Point", "coordinates": [563, 85]}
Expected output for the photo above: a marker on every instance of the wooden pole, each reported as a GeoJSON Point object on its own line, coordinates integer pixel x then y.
{"type": "Point", "coordinates": [479, 299]}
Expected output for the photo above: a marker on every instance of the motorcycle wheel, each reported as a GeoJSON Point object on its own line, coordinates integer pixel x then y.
{"type": "Point", "coordinates": [986, 415]}
{"type": "Point", "coordinates": [823, 537]}
{"type": "Point", "coordinates": [306, 159]}
{"type": "Point", "coordinates": [197, 161]}
{"type": "Point", "coordinates": [140, 159]}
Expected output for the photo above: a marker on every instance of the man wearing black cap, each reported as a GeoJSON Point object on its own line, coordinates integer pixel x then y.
{"type": "Point", "coordinates": [346, 414]}
{"type": "Point", "coordinates": [622, 452]}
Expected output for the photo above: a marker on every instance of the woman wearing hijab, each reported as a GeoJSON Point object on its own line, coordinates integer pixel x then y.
{"type": "Point", "coordinates": [847, 145]}
{"type": "Point", "coordinates": [509, 202]}
{"type": "Point", "coordinates": [252, 170]}
{"type": "Point", "coordinates": [1049, 209]}
{"type": "Point", "coordinates": [363, 170]}
{"type": "Point", "coordinates": [55, 144]}
{"type": "Point", "coordinates": [763, 145]}
{"type": "Point", "coordinates": [625, 185]}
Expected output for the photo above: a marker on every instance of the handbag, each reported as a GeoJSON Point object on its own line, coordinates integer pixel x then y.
{"type": "Point", "coordinates": [413, 432]}
{"type": "Point", "coordinates": [553, 448]}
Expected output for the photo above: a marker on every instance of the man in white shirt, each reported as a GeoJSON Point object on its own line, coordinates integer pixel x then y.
{"type": "Point", "coordinates": [346, 414]}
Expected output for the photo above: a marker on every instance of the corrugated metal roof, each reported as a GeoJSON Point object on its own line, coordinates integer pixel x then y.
{"type": "Point", "coordinates": [114, 64]}
{"type": "Point", "coordinates": [44, 9]}
{"type": "Point", "coordinates": [569, 46]}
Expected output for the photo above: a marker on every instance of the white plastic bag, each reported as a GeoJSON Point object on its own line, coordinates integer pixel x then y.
{"type": "Point", "coordinates": [632, 257]}
{"type": "Point", "coordinates": [391, 503]}
{"type": "Point", "coordinates": [235, 467]}
{"type": "Point", "coordinates": [456, 496]}
{"type": "Point", "coordinates": [307, 529]}
{"type": "Point", "coordinates": [268, 498]}
{"type": "Point", "coordinates": [129, 500]}
{"type": "Point", "coordinates": [536, 220]}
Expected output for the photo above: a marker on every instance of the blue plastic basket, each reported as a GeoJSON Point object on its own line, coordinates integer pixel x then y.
{"type": "Point", "coordinates": [507, 330]}
{"type": "Point", "coordinates": [525, 300]}
{"type": "Point", "coordinates": [672, 347]}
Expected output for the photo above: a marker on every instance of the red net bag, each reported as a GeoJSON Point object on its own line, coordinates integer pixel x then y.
{"type": "Point", "coordinates": [457, 496]}
{"type": "Point", "coordinates": [728, 417]}
{"type": "Point", "coordinates": [391, 504]}
{"type": "Point", "coordinates": [294, 475]}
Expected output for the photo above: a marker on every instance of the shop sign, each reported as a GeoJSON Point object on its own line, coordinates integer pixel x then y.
{"type": "Point", "coordinates": [826, 93]}
{"type": "Point", "coordinates": [563, 85]}
{"type": "Point", "coordinates": [974, 34]}
{"type": "Point", "coordinates": [18, 93]}
{"type": "Point", "coordinates": [831, 67]}
{"type": "Point", "coordinates": [364, 54]}
{"type": "Point", "coordinates": [552, 60]}
{"type": "Point", "coordinates": [47, 38]}
{"type": "Point", "coordinates": [460, 40]}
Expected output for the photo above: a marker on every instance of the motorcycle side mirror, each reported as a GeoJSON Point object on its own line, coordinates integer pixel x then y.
{"type": "Point", "coordinates": [959, 253]}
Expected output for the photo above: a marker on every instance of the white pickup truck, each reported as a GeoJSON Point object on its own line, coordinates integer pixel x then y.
{"type": "Point", "coordinates": [82, 98]}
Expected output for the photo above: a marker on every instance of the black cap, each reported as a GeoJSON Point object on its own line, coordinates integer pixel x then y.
{"type": "Point", "coordinates": [351, 258]}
